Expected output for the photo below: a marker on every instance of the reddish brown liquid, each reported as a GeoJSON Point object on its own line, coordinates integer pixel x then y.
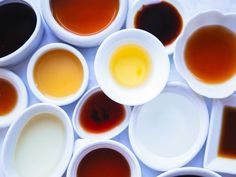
{"type": "Point", "coordinates": [99, 113]}
{"type": "Point", "coordinates": [85, 17]}
{"type": "Point", "coordinates": [210, 54]}
{"type": "Point", "coordinates": [8, 97]}
{"type": "Point", "coordinates": [103, 163]}
{"type": "Point", "coordinates": [227, 146]}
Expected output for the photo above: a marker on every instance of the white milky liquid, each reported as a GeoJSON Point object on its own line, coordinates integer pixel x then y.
{"type": "Point", "coordinates": [40, 146]}
{"type": "Point", "coordinates": [169, 125]}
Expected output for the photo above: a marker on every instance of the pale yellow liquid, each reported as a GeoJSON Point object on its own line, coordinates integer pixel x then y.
{"type": "Point", "coordinates": [130, 65]}
{"type": "Point", "coordinates": [40, 146]}
{"type": "Point", "coordinates": [58, 73]}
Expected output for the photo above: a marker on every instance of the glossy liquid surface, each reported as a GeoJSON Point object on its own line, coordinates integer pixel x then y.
{"type": "Point", "coordinates": [103, 163]}
{"type": "Point", "coordinates": [17, 23]}
{"type": "Point", "coordinates": [161, 19]}
{"type": "Point", "coordinates": [8, 97]}
{"type": "Point", "coordinates": [85, 17]}
{"type": "Point", "coordinates": [210, 54]}
{"type": "Point", "coordinates": [100, 114]}
{"type": "Point", "coordinates": [40, 146]}
{"type": "Point", "coordinates": [130, 65]}
{"type": "Point", "coordinates": [58, 73]}
{"type": "Point", "coordinates": [189, 176]}
{"type": "Point", "coordinates": [227, 147]}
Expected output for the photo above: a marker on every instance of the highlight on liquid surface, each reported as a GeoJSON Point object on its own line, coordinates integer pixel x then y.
{"type": "Point", "coordinates": [104, 163]}
{"type": "Point", "coordinates": [100, 114]}
{"type": "Point", "coordinates": [161, 19]}
{"type": "Point", "coordinates": [130, 65]}
{"type": "Point", "coordinates": [17, 23]}
{"type": "Point", "coordinates": [40, 146]}
{"type": "Point", "coordinates": [227, 146]}
{"type": "Point", "coordinates": [8, 97]}
{"type": "Point", "coordinates": [85, 17]}
{"type": "Point", "coordinates": [58, 73]}
{"type": "Point", "coordinates": [210, 54]}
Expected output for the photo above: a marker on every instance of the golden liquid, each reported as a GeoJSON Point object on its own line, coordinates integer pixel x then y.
{"type": "Point", "coordinates": [58, 73]}
{"type": "Point", "coordinates": [130, 65]}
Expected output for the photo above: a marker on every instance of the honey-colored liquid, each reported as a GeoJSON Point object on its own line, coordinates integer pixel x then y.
{"type": "Point", "coordinates": [210, 54]}
{"type": "Point", "coordinates": [8, 97]}
{"type": "Point", "coordinates": [58, 73]}
{"type": "Point", "coordinates": [130, 65]}
{"type": "Point", "coordinates": [85, 17]}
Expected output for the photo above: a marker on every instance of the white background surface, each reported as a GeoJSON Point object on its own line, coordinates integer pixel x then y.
{"type": "Point", "coordinates": [193, 7]}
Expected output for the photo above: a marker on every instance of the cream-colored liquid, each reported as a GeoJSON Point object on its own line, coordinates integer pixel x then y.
{"type": "Point", "coordinates": [40, 146]}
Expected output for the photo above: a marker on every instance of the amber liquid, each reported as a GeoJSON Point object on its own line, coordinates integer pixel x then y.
{"type": "Point", "coordinates": [100, 114]}
{"type": "Point", "coordinates": [103, 163]}
{"type": "Point", "coordinates": [227, 147]}
{"type": "Point", "coordinates": [210, 54]}
{"type": "Point", "coordinates": [85, 17]}
{"type": "Point", "coordinates": [8, 97]}
{"type": "Point", "coordinates": [162, 20]}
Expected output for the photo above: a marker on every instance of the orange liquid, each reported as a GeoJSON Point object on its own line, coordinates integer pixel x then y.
{"type": "Point", "coordinates": [8, 97]}
{"type": "Point", "coordinates": [85, 17]}
{"type": "Point", "coordinates": [210, 54]}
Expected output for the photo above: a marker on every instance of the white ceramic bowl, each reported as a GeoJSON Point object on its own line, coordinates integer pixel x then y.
{"type": "Point", "coordinates": [31, 44]}
{"type": "Point", "coordinates": [83, 147]}
{"type": "Point", "coordinates": [163, 163]}
{"type": "Point", "coordinates": [189, 171]}
{"type": "Point", "coordinates": [9, 144]}
{"type": "Point", "coordinates": [211, 160]}
{"type": "Point", "coordinates": [22, 97]}
{"type": "Point", "coordinates": [32, 84]}
{"type": "Point", "coordinates": [159, 72]}
{"type": "Point", "coordinates": [79, 40]}
{"type": "Point", "coordinates": [137, 5]}
{"type": "Point", "coordinates": [97, 136]}
{"type": "Point", "coordinates": [204, 19]}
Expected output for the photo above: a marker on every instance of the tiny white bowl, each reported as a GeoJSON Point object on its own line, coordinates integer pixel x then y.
{"type": "Point", "coordinates": [22, 97]}
{"type": "Point", "coordinates": [79, 40]}
{"type": "Point", "coordinates": [157, 78]}
{"type": "Point", "coordinates": [204, 19]}
{"type": "Point", "coordinates": [31, 44]}
{"type": "Point", "coordinates": [156, 161]}
{"type": "Point", "coordinates": [137, 5]}
{"type": "Point", "coordinates": [211, 160]}
{"type": "Point", "coordinates": [9, 144]}
{"type": "Point", "coordinates": [189, 171]}
{"type": "Point", "coordinates": [30, 76]}
{"type": "Point", "coordinates": [83, 147]}
{"type": "Point", "coordinates": [97, 136]}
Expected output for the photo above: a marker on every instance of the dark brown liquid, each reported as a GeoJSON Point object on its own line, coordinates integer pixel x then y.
{"type": "Point", "coordinates": [162, 20]}
{"type": "Point", "coordinates": [99, 113]}
{"type": "Point", "coordinates": [210, 54]}
{"type": "Point", "coordinates": [227, 147]}
{"type": "Point", "coordinates": [8, 97]}
{"type": "Point", "coordinates": [103, 163]}
{"type": "Point", "coordinates": [17, 23]}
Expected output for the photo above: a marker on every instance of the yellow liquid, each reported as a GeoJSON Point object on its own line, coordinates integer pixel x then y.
{"type": "Point", "coordinates": [130, 65]}
{"type": "Point", "coordinates": [58, 73]}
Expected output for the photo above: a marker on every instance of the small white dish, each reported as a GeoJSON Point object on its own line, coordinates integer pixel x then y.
{"type": "Point", "coordinates": [32, 84]}
{"type": "Point", "coordinates": [204, 19]}
{"type": "Point", "coordinates": [97, 136]}
{"type": "Point", "coordinates": [211, 160]}
{"type": "Point", "coordinates": [79, 40]}
{"type": "Point", "coordinates": [189, 171]}
{"type": "Point", "coordinates": [22, 98]}
{"type": "Point", "coordinates": [184, 130]}
{"type": "Point", "coordinates": [83, 147]}
{"type": "Point", "coordinates": [9, 144]}
{"type": "Point", "coordinates": [31, 44]}
{"type": "Point", "coordinates": [137, 5]}
{"type": "Point", "coordinates": [157, 78]}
